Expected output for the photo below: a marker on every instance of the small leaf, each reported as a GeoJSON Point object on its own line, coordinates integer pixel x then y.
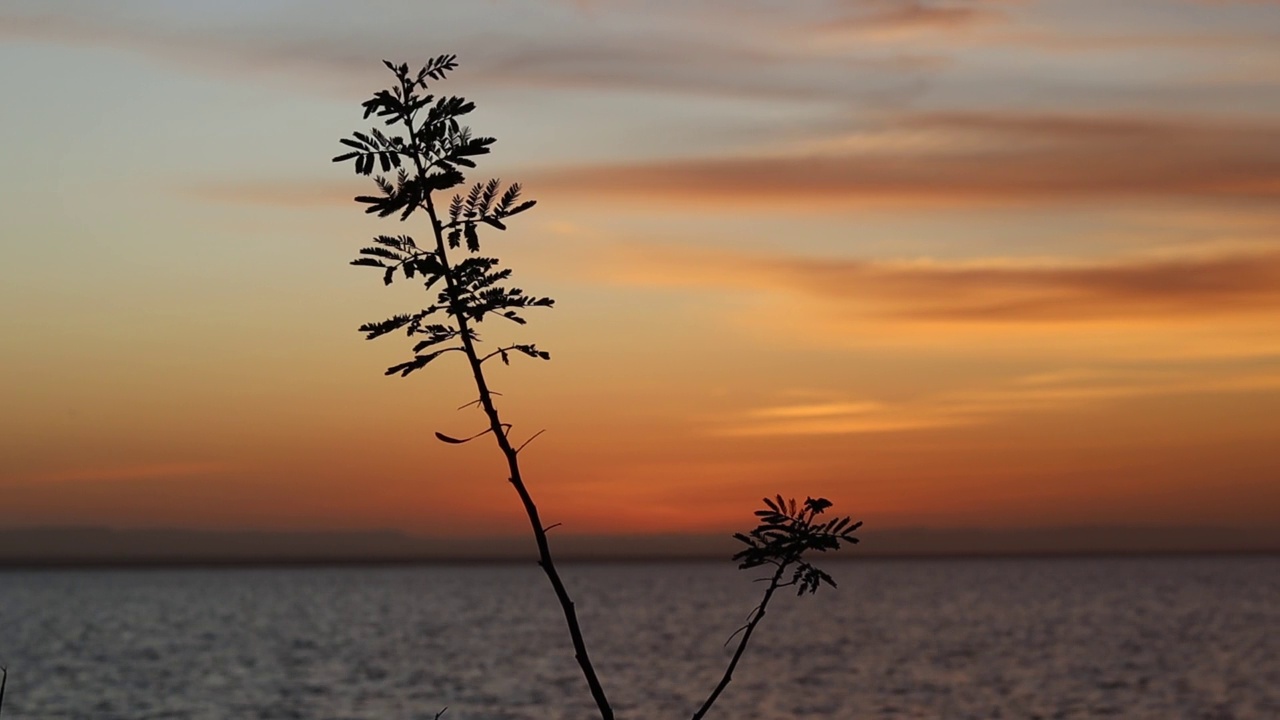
{"type": "Point", "coordinates": [521, 207]}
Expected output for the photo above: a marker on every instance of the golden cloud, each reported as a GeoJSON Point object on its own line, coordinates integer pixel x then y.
{"type": "Point", "coordinates": [993, 291]}
{"type": "Point", "coordinates": [1040, 393]}
{"type": "Point", "coordinates": [888, 21]}
{"type": "Point", "coordinates": [962, 159]}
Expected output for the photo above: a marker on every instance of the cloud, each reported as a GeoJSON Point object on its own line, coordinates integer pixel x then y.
{"type": "Point", "coordinates": [962, 159]}
{"type": "Point", "coordinates": [833, 418]}
{"type": "Point", "coordinates": [670, 64]}
{"type": "Point", "coordinates": [258, 53]}
{"type": "Point", "coordinates": [894, 20]}
{"type": "Point", "coordinates": [930, 160]}
{"type": "Point", "coordinates": [986, 292]}
{"type": "Point", "coordinates": [662, 61]}
{"type": "Point", "coordinates": [977, 24]}
{"type": "Point", "coordinates": [817, 410]}
{"type": "Point", "coordinates": [884, 421]}
{"type": "Point", "coordinates": [1039, 393]}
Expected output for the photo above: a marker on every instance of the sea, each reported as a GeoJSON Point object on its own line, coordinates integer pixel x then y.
{"type": "Point", "coordinates": [1155, 638]}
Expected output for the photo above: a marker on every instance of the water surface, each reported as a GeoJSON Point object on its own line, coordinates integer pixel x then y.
{"type": "Point", "coordinates": [1157, 638]}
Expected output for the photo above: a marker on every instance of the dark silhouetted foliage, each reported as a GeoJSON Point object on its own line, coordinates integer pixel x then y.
{"type": "Point", "coordinates": [410, 168]}
{"type": "Point", "coordinates": [424, 150]}
{"type": "Point", "coordinates": [426, 159]}
{"type": "Point", "coordinates": [787, 531]}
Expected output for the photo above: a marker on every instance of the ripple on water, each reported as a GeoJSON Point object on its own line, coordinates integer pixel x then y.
{"type": "Point", "coordinates": [1128, 638]}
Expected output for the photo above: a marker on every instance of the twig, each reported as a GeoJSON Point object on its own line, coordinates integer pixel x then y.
{"type": "Point", "coordinates": [526, 442]}
{"type": "Point", "coordinates": [545, 561]}
{"type": "Point", "coordinates": [476, 402]}
{"type": "Point", "coordinates": [742, 644]}
{"type": "Point", "coordinates": [4, 678]}
{"type": "Point", "coordinates": [458, 441]}
{"type": "Point", "coordinates": [733, 635]}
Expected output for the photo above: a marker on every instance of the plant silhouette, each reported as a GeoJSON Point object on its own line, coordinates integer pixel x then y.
{"type": "Point", "coordinates": [785, 534]}
{"type": "Point", "coordinates": [408, 170]}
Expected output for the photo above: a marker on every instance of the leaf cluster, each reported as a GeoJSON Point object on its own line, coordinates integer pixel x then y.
{"type": "Point", "coordinates": [483, 205]}
{"type": "Point", "coordinates": [410, 167]}
{"type": "Point", "coordinates": [786, 532]}
{"type": "Point", "coordinates": [437, 144]}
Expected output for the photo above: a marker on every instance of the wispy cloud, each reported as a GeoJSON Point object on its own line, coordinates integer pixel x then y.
{"type": "Point", "coordinates": [659, 61]}
{"type": "Point", "coordinates": [956, 26]}
{"type": "Point", "coordinates": [994, 291]}
{"type": "Point", "coordinates": [221, 50]}
{"type": "Point", "coordinates": [674, 64]}
{"type": "Point", "coordinates": [896, 19]}
{"type": "Point", "coordinates": [963, 159]}
{"type": "Point", "coordinates": [1040, 393]}
{"type": "Point", "coordinates": [858, 418]}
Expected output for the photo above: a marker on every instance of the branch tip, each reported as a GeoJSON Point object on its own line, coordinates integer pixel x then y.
{"type": "Point", "coordinates": [526, 442]}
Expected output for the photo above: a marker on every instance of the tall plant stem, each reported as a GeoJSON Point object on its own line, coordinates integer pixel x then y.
{"type": "Point", "coordinates": [499, 431]}
{"type": "Point", "coordinates": [750, 627]}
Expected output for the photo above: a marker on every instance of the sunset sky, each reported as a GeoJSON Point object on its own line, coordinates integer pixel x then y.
{"type": "Point", "coordinates": [967, 264]}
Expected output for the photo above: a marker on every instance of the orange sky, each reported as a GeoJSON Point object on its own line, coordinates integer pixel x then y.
{"type": "Point", "coordinates": [951, 264]}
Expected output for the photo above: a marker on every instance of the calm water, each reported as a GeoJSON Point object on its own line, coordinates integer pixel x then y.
{"type": "Point", "coordinates": [1126, 638]}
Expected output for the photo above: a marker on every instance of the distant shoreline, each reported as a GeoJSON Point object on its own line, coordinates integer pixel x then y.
{"type": "Point", "coordinates": [8, 565]}
{"type": "Point", "coordinates": [90, 547]}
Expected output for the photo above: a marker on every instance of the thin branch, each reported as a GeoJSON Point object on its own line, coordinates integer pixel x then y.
{"type": "Point", "coordinates": [733, 635]}
{"type": "Point", "coordinates": [4, 679]}
{"type": "Point", "coordinates": [477, 401]}
{"type": "Point", "coordinates": [545, 561]}
{"type": "Point", "coordinates": [499, 351]}
{"type": "Point", "coordinates": [459, 441]}
{"type": "Point", "coordinates": [531, 439]}
{"type": "Point", "coordinates": [742, 645]}
{"type": "Point", "coordinates": [553, 526]}
{"type": "Point", "coordinates": [455, 292]}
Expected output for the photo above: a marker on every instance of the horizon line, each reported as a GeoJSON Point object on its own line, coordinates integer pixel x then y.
{"type": "Point", "coordinates": [286, 562]}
